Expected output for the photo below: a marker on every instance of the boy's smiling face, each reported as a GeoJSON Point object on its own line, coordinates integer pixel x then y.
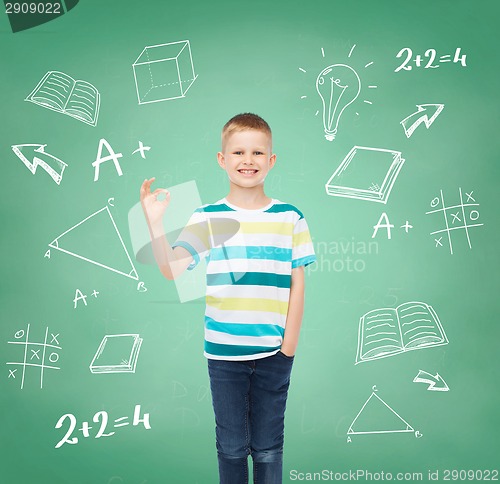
{"type": "Point", "coordinates": [247, 157]}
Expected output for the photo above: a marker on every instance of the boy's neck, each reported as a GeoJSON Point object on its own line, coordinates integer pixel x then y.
{"type": "Point", "coordinates": [248, 198]}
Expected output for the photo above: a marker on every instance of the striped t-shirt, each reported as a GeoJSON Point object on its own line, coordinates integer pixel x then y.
{"type": "Point", "coordinates": [250, 255]}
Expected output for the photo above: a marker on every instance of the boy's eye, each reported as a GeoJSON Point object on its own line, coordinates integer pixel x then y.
{"type": "Point", "coordinates": [255, 153]}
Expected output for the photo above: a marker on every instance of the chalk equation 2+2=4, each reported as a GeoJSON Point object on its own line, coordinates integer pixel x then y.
{"type": "Point", "coordinates": [100, 418]}
{"type": "Point", "coordinates": [428, 59]}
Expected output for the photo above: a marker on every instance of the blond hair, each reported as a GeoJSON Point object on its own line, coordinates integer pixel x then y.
{"type": "Point", "coordinates": [242, 122]}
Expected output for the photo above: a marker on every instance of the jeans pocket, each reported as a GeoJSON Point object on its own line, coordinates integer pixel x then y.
{"type": "Point", "coordinates": [286, 357]}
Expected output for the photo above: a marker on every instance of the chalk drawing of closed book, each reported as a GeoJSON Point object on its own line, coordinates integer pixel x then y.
{"type": "Point", "coordinates": [59, 92]}
{"type": "Point", "coordinates": [388, 331]}
{"type": "Point", "coordinates": [117, 353]}
{"type": "Point", "coordinates": [366, 174]}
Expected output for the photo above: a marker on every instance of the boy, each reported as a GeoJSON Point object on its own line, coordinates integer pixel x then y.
{"type": "Point", "coordinates": [254, 302]}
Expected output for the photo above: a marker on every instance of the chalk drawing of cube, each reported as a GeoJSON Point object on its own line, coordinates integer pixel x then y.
{"type": "Point", "coordinates": [163, 72]}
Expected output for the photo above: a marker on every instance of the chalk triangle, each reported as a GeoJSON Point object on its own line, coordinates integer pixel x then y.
{"type": "Point", "coordinates": [376, 417]}
{"type": "Point", "coordinates": [96, 240]}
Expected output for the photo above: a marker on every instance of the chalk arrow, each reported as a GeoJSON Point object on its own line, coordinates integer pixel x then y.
{"type": "Point", "coordinates": [426, 113]}
{"type": "Point", "coordinates": [432, 380]}
{"type": "Point", "coordinates": [33, 155]}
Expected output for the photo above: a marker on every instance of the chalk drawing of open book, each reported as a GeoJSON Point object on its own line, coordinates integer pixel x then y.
{"type": "Point", "coordinates": [388, 331]}
{"type": "Point", "coordinates": [59, 92]}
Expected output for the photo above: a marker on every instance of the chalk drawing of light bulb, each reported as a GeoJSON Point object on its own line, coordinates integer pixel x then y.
{"type": "Point", "coordinates": [338, 86]}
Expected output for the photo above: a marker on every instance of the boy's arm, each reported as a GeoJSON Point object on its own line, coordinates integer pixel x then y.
{"type": "Point", "coordinates": [171, 262]}
{"type": "Point", "coordinates": [295, 312]}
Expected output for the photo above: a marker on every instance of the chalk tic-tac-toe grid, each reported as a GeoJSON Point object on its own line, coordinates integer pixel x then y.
{"type": "Point", "coordinates": [455, 219]}
{"type": "Point", "coordinates": [31, 358]}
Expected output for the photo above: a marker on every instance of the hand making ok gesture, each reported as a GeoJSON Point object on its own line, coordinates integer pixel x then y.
{"type": "Point", "coordinates": [153, 208]}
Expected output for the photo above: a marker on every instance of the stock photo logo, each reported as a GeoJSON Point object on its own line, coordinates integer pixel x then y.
{"type": "Point", "coordinates": [28, 14]}
{"type": "Point", "coordinates": [342, 256]}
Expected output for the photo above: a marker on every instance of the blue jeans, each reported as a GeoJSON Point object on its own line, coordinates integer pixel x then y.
{"type": "Point", "coordinates": [249, 400]}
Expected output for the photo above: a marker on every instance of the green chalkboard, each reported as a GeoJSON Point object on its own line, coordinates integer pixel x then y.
{"type": "Point", "coordinates": [400, 196]}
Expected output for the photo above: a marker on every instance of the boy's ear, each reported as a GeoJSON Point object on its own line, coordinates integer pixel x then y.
{"type": "Point", "coordinates": [220, 160]}
{"type": "Point", "coordinates": [272, 160]}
